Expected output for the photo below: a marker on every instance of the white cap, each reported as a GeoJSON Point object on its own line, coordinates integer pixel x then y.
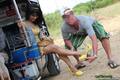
{"type": "Point", "coordinates": [65, 10]}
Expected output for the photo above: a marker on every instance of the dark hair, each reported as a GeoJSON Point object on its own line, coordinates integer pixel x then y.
{"type": "Point", "coordinates": [31, 12]}
{"type": "Point", "coordinates": [32, 9]}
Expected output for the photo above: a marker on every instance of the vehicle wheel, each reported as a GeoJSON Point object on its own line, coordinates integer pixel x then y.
{"type": "Point", "coordinates": [53, 64]}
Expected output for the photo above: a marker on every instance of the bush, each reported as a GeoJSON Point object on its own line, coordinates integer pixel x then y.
{"type": "Point", "coordinates": [102, 3]}
{"type": "Point", "coordinates": [82, 8]}
{"type": "Point", "coordinates": [53, 22]}
{"type": "Point", "coordinates": [91, 5]}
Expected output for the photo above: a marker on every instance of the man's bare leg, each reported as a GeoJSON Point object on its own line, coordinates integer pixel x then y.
{"type": "Point", "coordinates": [106, 46]}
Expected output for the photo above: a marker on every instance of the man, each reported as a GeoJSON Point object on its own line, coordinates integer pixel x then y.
{"type": "Point", "coordinates": [4, 74]}
{"type": "Point", "coordinates": [76, 28]}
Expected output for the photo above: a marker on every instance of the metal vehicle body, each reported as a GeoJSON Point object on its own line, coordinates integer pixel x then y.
{"type": "Point", "coordinates": [24, 54]}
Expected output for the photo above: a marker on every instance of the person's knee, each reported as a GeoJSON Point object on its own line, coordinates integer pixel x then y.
{"type": "Point", "coordinates": [103, 39]}
{"type": "Point", "coordinates": [54, 47]}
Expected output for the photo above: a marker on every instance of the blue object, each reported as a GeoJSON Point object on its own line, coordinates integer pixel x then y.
{"type": "Point", "coordinates": [33, 52]}
{"type": "Point", "coordinates": [19, 55]}
{"type": "Point", "coordinates": [23, 54]}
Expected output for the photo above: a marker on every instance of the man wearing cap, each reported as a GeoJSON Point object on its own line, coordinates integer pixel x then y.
{"type": "Point", "coordinates": [76, 28]}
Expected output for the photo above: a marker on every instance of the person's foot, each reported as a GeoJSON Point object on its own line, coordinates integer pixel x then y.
{"type": "Point", "coordinates": [112, 64]}
{"type": "Point", "coordinates": [78, 73]}
{"type": "Point", "coordinates": [80, 65]}
{"type": "Point", "coordinates": [75, 72]}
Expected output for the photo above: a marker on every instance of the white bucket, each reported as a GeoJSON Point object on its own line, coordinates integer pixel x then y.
{"type": "Point", "coordinates": [31, 71]}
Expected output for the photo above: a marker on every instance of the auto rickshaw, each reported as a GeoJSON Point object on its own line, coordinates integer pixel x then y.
{"type": "Point", "coordinates": [24, 54]}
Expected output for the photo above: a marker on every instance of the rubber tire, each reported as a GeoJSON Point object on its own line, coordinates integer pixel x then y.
{"type": "Point", "coordinates": [53, 64]}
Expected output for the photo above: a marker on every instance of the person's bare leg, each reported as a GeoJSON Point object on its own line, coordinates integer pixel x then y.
{"type": "Point", "coordinates": [59, 50]}
{"type": "Point", "coordinates": [68, 62]}
{"type": "Point", "coordinates": [106, 46]}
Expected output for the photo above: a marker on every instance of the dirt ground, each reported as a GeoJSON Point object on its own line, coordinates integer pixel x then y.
{"type": "Point", "coordinates": [98, 69]}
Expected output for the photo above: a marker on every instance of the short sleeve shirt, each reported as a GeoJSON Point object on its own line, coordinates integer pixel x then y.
{"type": "Point", "coordinates": [85, 27]}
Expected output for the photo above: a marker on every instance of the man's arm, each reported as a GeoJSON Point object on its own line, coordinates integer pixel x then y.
{"type": "Point", "coordinates": [91, 34]}
{"type": "Point", "coordinates": [94, 44]}
{"type": "Point", "coordinates": [68, 43]}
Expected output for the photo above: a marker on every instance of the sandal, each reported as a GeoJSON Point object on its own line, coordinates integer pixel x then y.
{"type": "Point", "coordinates": [77, 73]}
{"type": "Point", "coordinates": [112, 65]}
{"type": "Point", "coordinates": [80, 65]}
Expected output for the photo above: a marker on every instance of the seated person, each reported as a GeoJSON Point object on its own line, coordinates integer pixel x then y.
{"type": "Point", "coordinates": [4, 74]}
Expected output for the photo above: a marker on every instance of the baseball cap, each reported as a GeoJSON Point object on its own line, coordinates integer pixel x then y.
{"type": "Point", "coordinates": [65, 10]}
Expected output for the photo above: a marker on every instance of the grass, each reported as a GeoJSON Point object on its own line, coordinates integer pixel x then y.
{"type": "Point", "coordinates": [109, 11]}
{"type": "Point", "coordinates": [53, 22]}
